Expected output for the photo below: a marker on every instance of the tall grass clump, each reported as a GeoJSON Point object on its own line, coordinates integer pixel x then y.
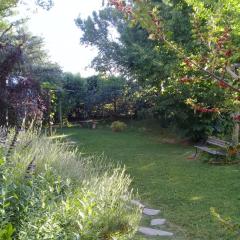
{"type": "Point", "coordinates": [50, 191]}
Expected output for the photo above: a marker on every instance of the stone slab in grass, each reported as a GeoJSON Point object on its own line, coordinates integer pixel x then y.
{"type": "Point", "coordinates": [137, 203]}
{"type": "Point", "coordinates": [150, 212]}
{"type": "Point", "coordinates": [159, 221]}
{"type": "Point", "coordinates": [154, 232]}
{"type": "Point", "coordinates": [71, 143]}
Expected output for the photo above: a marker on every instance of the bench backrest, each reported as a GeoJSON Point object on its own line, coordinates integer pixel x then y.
{"type": "Point", "coordinates": [218, 142]}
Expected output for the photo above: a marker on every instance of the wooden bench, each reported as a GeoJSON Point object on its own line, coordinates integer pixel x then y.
{"type": "Point", "coordinates": [220, 151]}
{"type": "Point", "coordinates": [89, 123]}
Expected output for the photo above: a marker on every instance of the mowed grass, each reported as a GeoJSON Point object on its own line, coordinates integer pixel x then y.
{"type": "Point", "coordinates": [184, 190]}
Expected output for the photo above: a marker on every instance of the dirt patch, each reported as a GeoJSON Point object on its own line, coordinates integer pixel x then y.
{"type": "Point", "coordinates": [170, 140]}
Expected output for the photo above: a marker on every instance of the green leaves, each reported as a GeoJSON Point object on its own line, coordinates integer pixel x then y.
{"type": "Point", "coordinates": [6, 233]}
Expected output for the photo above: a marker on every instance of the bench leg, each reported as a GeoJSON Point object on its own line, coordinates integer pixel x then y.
{"type": "Point", "coordinates": [196, 152]}
{"type": "Point", "coordinates": [194, 156]}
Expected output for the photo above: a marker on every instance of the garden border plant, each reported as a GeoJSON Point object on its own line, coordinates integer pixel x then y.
{"type": "Point", "coordinates": [67, 196]}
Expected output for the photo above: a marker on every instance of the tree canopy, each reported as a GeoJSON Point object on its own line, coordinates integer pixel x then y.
{"type": "Point", "coordinates": [23, 65]}
{"type": "Point", "coordinates": [188, 48]}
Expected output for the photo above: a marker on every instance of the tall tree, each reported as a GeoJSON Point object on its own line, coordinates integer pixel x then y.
{"type": "Point", "coordinates": [127, 50]}
{"type": "Point", "coordinates": [214, 56]}
{"type": "Point", "coordinates": [20, 52]}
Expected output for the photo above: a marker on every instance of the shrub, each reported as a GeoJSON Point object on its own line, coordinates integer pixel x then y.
{"type": "Point", "coordinates": [118, 126]}
{"type": "Point", "coordinates": [66, 197]}
{"type": "Point", "coordinates": [173, 112]}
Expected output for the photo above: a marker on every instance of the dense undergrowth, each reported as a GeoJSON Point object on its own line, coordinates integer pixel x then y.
{"type": "Point", "coordinates": [50, 191]}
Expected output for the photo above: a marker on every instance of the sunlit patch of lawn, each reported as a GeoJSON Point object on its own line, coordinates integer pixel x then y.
{"type": "Point", "coordinates": [60, 136]}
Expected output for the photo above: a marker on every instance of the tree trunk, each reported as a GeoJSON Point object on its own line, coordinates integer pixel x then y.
{"type": "Point", "coordinates": [235, 134]}
{"type": "Point", "coordinates": [3, 102]}
{"type": "Point", "coordinates": [60, 112]}
{"type": "Point", "coordinates": [115, 106]}
{"type": "Point", "coordinates": [49, 107]}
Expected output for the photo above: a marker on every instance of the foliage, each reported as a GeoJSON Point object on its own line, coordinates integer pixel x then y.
{"type": "Point", "coordinates": [21, 57]}
{"type": "Point", "coordinates": [214, 50]}
{"type": "Point", "coordinates": [95, 96]}
{"type": "Point", "coordinates": [73, 93]}
{"type": "Point", "coordinates": [45, 4]}
{"type": "Point", "coordinates": [7, 194]}
{"type": "Point", "coordinates": [41, 202]}
{"type": "Point", "coordinates": [172, 109]}
{"type": "Point", "coordinates": [118, 126]}
{"type": "Point", "coordinates": [5, 11]}
{"type": "Point", "coordinates": [163, 45]}
{"type": "Point", "coordinates": [125, 50]}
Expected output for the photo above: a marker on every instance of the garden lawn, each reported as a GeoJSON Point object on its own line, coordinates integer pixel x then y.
{"type": "Point", "coordinates": [184, 190]}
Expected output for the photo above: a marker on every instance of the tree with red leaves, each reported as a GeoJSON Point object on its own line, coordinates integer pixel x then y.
{"type": "Point", "coordinates": [19, 57]}
{"type": "Point", "coordinates": [27, 106]}
{"type": "Point", "coordinates": [215, 56]}
{"type": "Point", "coordinates": [15, 72]}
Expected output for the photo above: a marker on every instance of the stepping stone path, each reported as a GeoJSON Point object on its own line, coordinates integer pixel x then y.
{"type": "Point", "coordinates": [153, 232]}
{"type": "Point", "coordinates": [150, 212]}
{"type": "Point", "coordinates": [159, 221]}
{"type": "Point", "coordinates": [137, 203]}
{"type": "Point", "coordinates": [154, 222]}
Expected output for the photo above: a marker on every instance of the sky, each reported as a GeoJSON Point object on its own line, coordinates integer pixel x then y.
{"type": "Point", "coordinates": [62, 36]}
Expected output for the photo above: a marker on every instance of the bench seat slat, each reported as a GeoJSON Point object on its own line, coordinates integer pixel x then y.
{"type": "Point", "coordinates": [211, 151]}
{"type": "Point", "coordinates": [217, 139]}
{"type": "Point", "coordinates": [218, 142]}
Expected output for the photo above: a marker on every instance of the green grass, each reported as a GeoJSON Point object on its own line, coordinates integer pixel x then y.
{"type": "Point", "coordinates": [184, 190]}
